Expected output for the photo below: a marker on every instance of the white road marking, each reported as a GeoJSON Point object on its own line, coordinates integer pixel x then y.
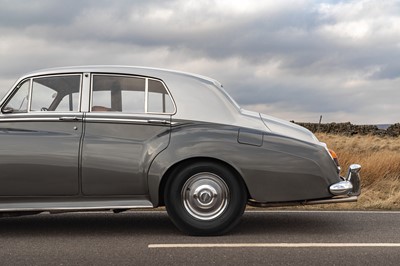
{"type": "Point", "coordinates": [261, 210]}
{"type": "Point", "coordinates": [275, 245]}
{"type": "Point", "coordinates": [265, 211]}
{"type": "Point", "coordinates": [322, 211]}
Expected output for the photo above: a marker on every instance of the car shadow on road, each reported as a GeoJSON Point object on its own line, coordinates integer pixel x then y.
{"type": "Point", "coordinates": [158, 223]}
{"type": "Point", "coordinates": [138, 223]}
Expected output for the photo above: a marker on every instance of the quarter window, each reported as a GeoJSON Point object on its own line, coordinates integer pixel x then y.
{"type": "Point", "coordinates": [19, 101]}
{"type": "Point", "coordinates": [129, 95]}
{"type": "Point", "coordinates": [158, 98]}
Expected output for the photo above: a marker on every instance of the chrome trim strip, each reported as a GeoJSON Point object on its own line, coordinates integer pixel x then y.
{"type": "Point", "coordinates": [333, 200]}
{"type": "Point", "coordinates": [114, 120]}
{"type": "Point", "coordinates": [37, 116]}
{"type": "Point", "coordinates": [91, 206]}
{"type": "Point", "coordinates": [114, 114]}
{"type": "Point", "coordinates": [29, 119]}
{"type": "Point", "coordinates": [299, 203]}
{"type": "Point", "coordinates": [128, 121]}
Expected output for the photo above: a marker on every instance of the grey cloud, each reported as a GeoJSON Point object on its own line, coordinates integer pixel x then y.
{"type": "Point", "coordinates": [21, 14]}
{"type": "Point", "coordinates": [316, 71]}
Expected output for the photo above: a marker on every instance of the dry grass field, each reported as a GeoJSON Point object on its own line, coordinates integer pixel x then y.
{"type": "Point", "coordinates": [380, 173]}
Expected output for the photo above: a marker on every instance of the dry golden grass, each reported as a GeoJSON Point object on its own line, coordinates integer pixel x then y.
{"type": "Point", "coordinates": [380, 172]}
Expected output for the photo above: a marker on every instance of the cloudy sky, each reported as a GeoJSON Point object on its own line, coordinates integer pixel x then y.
{"type": "Point", "coordinates": [295, 60]}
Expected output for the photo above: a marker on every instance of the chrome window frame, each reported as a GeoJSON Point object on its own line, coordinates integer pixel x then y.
{"type": "Point", "coordinates": [29, 95]}
{"type": "Point", "coordinates": [146, 91]}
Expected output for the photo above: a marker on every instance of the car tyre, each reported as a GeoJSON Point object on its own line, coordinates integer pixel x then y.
{"type": "Point", "coordinates": [205, 198]}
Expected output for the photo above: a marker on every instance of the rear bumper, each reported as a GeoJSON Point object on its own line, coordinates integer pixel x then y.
{"type": "Point", "coordinates": [350, 186]}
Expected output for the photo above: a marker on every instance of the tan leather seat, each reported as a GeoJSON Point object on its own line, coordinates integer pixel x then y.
{"type": "Point", "coordinates": [99, 108]}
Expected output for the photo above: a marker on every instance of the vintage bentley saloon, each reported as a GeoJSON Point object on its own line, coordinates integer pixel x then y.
{"type": "Point", "coordinates": [119, 138]}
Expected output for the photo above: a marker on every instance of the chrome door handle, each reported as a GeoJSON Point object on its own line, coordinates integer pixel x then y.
{"type": "Point", "coordinates": [70, 118]}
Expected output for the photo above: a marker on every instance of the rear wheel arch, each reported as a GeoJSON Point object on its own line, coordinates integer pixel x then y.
{"type": "Point", "coordinates": [184, 163]}
{"type": "Point", "coordinates": [204, 197]}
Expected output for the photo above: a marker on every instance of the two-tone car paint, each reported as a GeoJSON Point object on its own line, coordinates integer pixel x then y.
{"type": "Point", "coordinates": [86, 159]}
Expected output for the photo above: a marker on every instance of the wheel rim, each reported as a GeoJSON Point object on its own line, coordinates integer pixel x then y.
{"type": "Point", "coordinates": [205, 196]}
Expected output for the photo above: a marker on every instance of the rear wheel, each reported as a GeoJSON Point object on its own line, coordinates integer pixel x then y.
{"type": "Point", "coordinates": [205, 198]}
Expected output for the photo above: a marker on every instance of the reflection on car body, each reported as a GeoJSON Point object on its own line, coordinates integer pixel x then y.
{"type": "Point", "coordinates": [119, 138]}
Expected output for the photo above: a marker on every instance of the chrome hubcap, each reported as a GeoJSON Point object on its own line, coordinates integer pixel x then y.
{"type": "Point", "coordinates": [205, 196]}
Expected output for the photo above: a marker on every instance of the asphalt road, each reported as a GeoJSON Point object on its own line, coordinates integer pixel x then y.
{"type": "Point", "coordinates": [149, 238]}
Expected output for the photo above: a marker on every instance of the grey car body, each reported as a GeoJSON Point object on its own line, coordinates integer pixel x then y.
{"type": "Point", "coordinates": [118, 138]}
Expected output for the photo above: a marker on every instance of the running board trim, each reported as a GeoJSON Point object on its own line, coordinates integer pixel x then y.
{"type": "Point", "coordinates": [76, 205]}
{"type": "Point", "coordinates": [334, 200]}
{"type": "Point", "coordinates": [307, 202]}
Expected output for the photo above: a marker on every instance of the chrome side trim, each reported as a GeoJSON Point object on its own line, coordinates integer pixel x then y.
{"type": "Point", "coordinates": [66, 117]}
{"type": "Point", "coordinates": [333, 200]}
{"type": "Point", "coordinates": [29, 119]}
{"type": "Point", "coordinates": [299, 203]}
{"type": "Point", "coordinates": [75, 206]}
{"type": "Point", "coordinates": [126, 121]}
{"type": "Point", "coordinates": [38, 116]}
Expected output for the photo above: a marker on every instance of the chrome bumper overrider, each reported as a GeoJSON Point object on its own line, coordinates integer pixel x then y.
{"type": "Point", "coordinates": [350, 186]}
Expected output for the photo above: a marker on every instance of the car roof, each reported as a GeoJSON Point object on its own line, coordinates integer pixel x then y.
{"type": "Point", "coordinates": [196, 97]}
{"type": "Point", "coordinates": [122, 69]}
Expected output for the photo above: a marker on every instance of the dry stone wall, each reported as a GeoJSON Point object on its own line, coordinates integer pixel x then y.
{"type": "Point", "coordinates": [349, 129]}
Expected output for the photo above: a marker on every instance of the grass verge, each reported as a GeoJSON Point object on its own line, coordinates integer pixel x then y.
{"type": "Point", "coordinates": [380, 172]}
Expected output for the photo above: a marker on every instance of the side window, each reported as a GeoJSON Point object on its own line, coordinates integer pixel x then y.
{"type": "Point", "coordinates": [129, 95]}
{"type": "Point", "coordinates": [118, 93]}
{"type": "Point", "coordinates": [70, 102]}
{"type": "Point", "coordinates": [56, 93]}
{"type": "Point", "coordinates": [19, 101]}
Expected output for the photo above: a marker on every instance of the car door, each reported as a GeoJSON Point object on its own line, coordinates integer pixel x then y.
{"type": "Point", "coordinates": [40, 132]}
{"type": "Point", "coordinates": [127, 125]}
